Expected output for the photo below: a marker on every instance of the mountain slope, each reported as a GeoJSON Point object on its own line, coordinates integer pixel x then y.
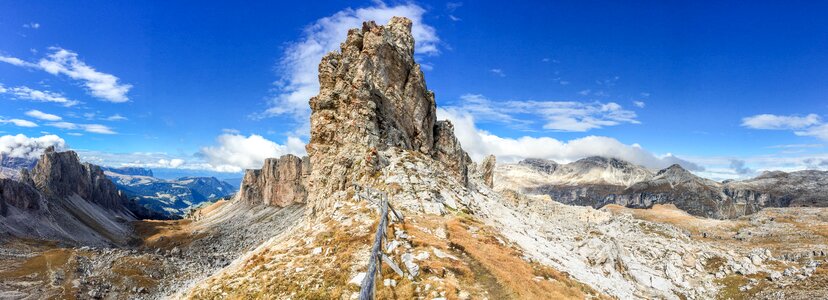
{"type": "Point", "coordinates": [64, 200]}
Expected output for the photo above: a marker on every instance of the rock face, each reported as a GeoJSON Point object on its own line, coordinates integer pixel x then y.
{"type": "Point", "coordinates": [375, 83]}
{"type": "Point", "coordinates": [373, 97]}
{"type": "Point", "coordinates": [280, 182]}
{"type": "Point", "coordinates": [59, 174]}
{"type": "Point", "coordinates": [21, 195]}
{"type": "Point", "coordinates": [449, 152]}
{"type": "Point", "coordinates": [486, 169]}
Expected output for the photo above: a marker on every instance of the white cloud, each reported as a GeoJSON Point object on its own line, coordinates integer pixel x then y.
{"type": "Point", "coordinates": [26, 93]}
{"type": "Point", "coordinates": [116, 117]}
{"type": "Point", "coordinates": [299, 64]}
{"type": "Point", "coordinates": [235, 152]}
{"type": "Point", "coordinates": [101, 85]}
{"type": "Point", "coordinates": [42, 115]}
{"type": "Point", "coordinates": [639, 104]}
{"type": "Point", "coordinates": [28, 147]}
{"type": "Point", "coordinates": [19, 122]}
{"type": "Point", "coordinates": [820, 131]}
{"type": "Point", "coordinates": [97, 128]}
{"type": "Point", "coordinates": [558, 115]}
{"type": "Point", "coordinates": [32, 25]}
{"type": "Point", "coordinates": [498, 72]}
{"type": "Point", "coordinates": [92, 128]}
{"type": "Point", "coordinates": [479, 143]}
{"type": "Point", "coordinates": [810, 125]}
{"type": "Point", "coordinates": [16, 61]}
{"type": "Point", "coordinates": [61, 61]}
{"type": "Point", "coordinates": [777, 122]}
{"type": "Point", "coordinates": [172, 163]}
{"type": "Point", "coordinates": [63, 125]}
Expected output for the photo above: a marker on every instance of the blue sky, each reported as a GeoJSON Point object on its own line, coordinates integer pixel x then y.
{"type": "Point", "coordinates": [725, 89]}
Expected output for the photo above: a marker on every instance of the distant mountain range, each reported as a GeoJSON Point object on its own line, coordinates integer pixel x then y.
{"type": "Point", "coordinates": [170, 197]}
{"type": "Point", "coordinates": [598, 181]}
{"type": "Point", "coordinates": [10, 166]}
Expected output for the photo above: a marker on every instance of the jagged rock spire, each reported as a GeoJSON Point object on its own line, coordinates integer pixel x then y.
{"type": "Point", "coordinates": [373, 97]}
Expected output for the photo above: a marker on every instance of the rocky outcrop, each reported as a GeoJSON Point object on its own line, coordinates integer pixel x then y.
{"type": "Point", "coordinates": [486, 170]}
{"type": "Point", "coordinates": [20, 194]}
{"type": "Point", "coordinates": [61, 174]}
{"type": "Point", "coordinates": [67, 201]}
{"type": "Point", "coordinates": [372, 98]}
{"type": "Point", "coordinates": [450, 153]}
{"type": "Point", "coordinates": [280, 182]}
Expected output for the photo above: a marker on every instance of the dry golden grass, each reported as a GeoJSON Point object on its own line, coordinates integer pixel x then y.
{"type": "Point", "coordinates": [166, 234]}
{"type": "Point", "coordinates": [132, 271]}
{"type": "Point", "coordinates": [523, 280]}
{"type": "Point", "coordinates": [730, 286]}
{"type": "Point", "coordinates": [273, 274]}
{"type": "Point", "coordinates": [41, 267]}
{"type": "Point", "coordinates": [481, 265]}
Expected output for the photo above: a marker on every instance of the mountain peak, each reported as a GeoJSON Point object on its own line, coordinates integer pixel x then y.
{"type": "Point", "coordinates": [540, 164]}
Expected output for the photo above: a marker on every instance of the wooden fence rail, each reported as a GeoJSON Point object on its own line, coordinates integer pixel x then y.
{"type": "Point", "coordinates": [368, 285]}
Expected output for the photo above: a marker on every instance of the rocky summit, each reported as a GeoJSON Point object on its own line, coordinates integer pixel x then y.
{"type": "Point", "coordinates": [387, 190]}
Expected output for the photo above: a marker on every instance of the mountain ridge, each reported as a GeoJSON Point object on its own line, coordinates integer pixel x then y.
{"type": "Point", "coordinates": [672, 185]}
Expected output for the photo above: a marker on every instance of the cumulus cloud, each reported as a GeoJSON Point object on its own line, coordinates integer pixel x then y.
{"type": "Point", "coordinates": [639, 104]}
{"type": "Point", "coordinates": [777, 122]}
{"type": "Point", "coordinates": [480, 143]}
{"type": "Point", "coordinates": [27, 93]}
{"type": "Point", "coordinates": [299, 65]}
{"type": "Point", "coordinates": [92, 128]}
{"type": "Point", "coordinates": [557, 115]}
{"type": "Point", "coordinates": [497, 72]}
{"type": "Point", "coordinates": [65, 62]}
{"type": "Point", "coordinates": [235, 152]}
{"type": "Point", "coordinates": [32, 25]}
{"type": "Point", "coordinates": [28, 147]}
{"type": "Point", "coordinates": [42, 115]}
{"type": "Point", "coordinates": [19, 122]}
